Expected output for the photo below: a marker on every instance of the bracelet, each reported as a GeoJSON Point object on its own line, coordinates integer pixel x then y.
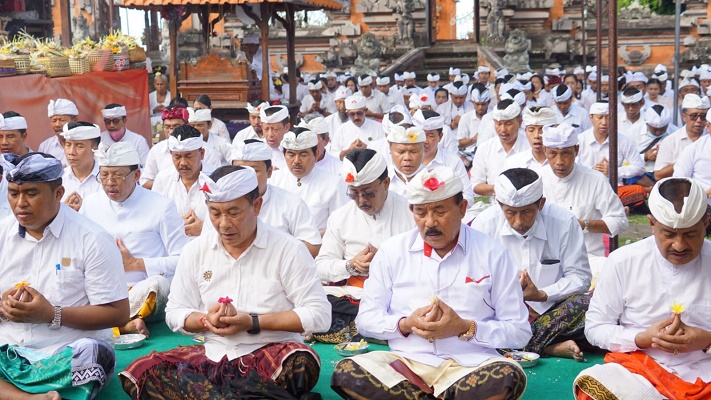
{"type": "Point", "coordinates": [352, 271]}
{"type": "Point", "coordinates": [202, 321]}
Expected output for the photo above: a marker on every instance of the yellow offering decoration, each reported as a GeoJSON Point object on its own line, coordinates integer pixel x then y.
{"type": "Point", "coordinates": [22, 284]}
{"type": "Point", "coordinates": [356, 346]}
{"type": "Point", "coordinates": [433, 299]}
{"type": "Point", "coordinates": [677, 308]}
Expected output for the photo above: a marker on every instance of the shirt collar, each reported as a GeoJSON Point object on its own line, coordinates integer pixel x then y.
{"type": "Point", "coordinates": [419, 245]}
{"type": "Point", "coordinates": [539, 229]}
{"type": "Point", "coordinates": [54, 227]}
{"type": "Point", "coordinates": [260, 240]}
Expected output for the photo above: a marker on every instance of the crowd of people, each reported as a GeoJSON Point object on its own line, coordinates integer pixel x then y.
{"type": "Point", "coordinates": [454, 222]}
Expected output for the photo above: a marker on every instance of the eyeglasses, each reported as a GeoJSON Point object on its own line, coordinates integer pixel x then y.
{"type": "Point", "coordinates": [366, 195]}
{"type": "Point", "coordinates": [169, 128]}
{"type": "Point", "coordinates": [114, 121]}
{"type": "Point", "coordinates": [696, 117]}
{"type": "Point", "coordinates": [356, 114]}
{"type": "Point", "coordinates": [115, 178]}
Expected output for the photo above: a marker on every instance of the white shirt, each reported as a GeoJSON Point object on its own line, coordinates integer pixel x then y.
{"type": "Point", "coordinates": [350, 230]}
{"type": "Point", "coordinates": [632, 131]}
{"type": "Point", "coordinates": [478, 279]}
{"type": "Point", "coordinates": [302, 90]}
{"type": "Point", "coordinates": [545, 99]}
{"type": "Point", "coordinates": [220, 129]}
{"type": "Point", "coordinates": [577, 117]}
{"type": "Point", "coordinates": [445, 158]}
{"type": "Point", "coordinates": [159, 158]}
{"type": "Point", "coordinates": [330, 164]}
{"type": "Point", "coordinates": [217, 150]}
{"type": "Point", "coordinates": [278, 159]}
{"type": "Point", "coordinates": [525, 159]}
{"type": "Point", "coordinates": [138, 141]}
{"type": "Point", "coordinates": [490, 157]}
{"type": "Point", "coordinates": [645, 140]}
{"type": "Point", "coordinates": [487, 129]}
{"type": "Point", "coordinates": [553, 252]}
{"type": "Point", "coordinates": [93, 274]}
{"type": "Point", "coordinates": [629, 162]}
{"type": "Point", "coordinates": [72, 184]}
{"type": "Point", "coordinates": [671, 147]}
{"type": "Point", "coordinates": [274, 274]}
{"type": "Point", "coordinates": [377, 102]}
{"type": "Point", "coordinates": [322, 191]}
{"type": "Point", "coordinates": [245, 134]}
{"type": "Point", "coordinates": [52, 147]}
{"type": "Point", "coordinates": [324, 104]}
{"type": "Point", "coordinates": [169, 185]}
{"type": "Point", "coordinates": [334, 124]}
{"type": "Point", "coordinates": [347, 133]}
{"type": "Point", "coordinates": [448, 111]}
{"type": "Point", "coordinates": [636, 289]}
{"type": "Point", "coordinates": [588, 195]}
{"type": "Point", "coordinates": [469, 126]}
{"type": "Point", "coordinates": [4, 205]}
{"type": "Point", "coordinates": [394, 96]}
{"type": "Point", "coordinates": [695, 162]}
{"type": "Point", "coordinates": [153, 102]}
{"type": "Point", "coordinates": [147, 223]}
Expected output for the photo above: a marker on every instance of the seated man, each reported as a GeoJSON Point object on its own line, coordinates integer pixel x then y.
{"type": "Point", "coordinates": [146, 227]}
{"type": "Point", "coordinates": [159, 158]}
{"type": "Point", "coordinates": [534, 118]}
{"type": "Point", "coordinates": [81, 174]}
{"type": "Point", "coordinates": [275, 124]}
{"type": "Point", "coordinates": [60, 113]}
{"type": "Point", "coordinates": [355, 232]}
{"type": "Point", "coordinates": [217, 148]}
{"type": "Point", "coordinates": [116, 131]}
{"type": "Point", "coordinates": [445, 297]}
{"type": "Point", "coordinates": [254, 130]}
{"type": "Point", "coordinates": [359, 132]}
{"type": "Point", "coordinates": [55, 340]}
{"type": "Point", "coordinates": [13, 133]}
{"type": "Point", "coordinates": [407, 150]}
{"type": "Point", "coordinates": [251, 290]}
{"type": "Point", "coordinates": [547, 243]}
{"type": "Point", "coordinates": [5, 167]}
{"type": "Point", "coordinates": [659, 351]}
{"type": "Point", "coordinates": [280, 208]}
{"type": "Point", "coordinates": [182, 182]}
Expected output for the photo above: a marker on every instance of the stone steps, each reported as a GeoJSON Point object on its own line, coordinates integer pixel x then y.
{"type": "Point", "coordinates": [439, 58]}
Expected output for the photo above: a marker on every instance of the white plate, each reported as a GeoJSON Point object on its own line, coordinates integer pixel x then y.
{"type": "Point", "coordinates": [130, 341]}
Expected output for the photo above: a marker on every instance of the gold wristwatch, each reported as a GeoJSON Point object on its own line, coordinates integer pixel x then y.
{"type": "Point", "coordinates": [469, 335]}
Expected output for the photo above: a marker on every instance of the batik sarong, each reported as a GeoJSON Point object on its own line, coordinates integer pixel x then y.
{"type": "Point", "coordinates": [564, 321]}
{"type": "Point", "coordinates": [632, 195]}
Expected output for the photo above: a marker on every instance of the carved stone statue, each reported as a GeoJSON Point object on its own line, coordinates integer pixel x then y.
{"type": "Point", "coordinates": [496, 24]}
{"type": "Point", "coordinates": [635, 57]}
{"type": "Point", "coordinates": [635, 11]}
{"type": "Point", "coordinates": [405, 21]}
{"type": "Point", "coordinates": [516, 48]}
{"type": "Point", "coordinates": [369, 52]}
{"type": "Point", "coordinates": [80, 28]}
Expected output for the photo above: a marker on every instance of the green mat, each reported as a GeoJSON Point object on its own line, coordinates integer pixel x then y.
{"type": "Point", "coordinates": [551, 379]}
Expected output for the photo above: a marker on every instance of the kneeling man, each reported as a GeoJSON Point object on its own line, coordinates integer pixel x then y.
{"type": "Point", "coordinates": [251, 290]}
{"type": "Point", "coordinates": [651, 306]}
{"type": "Point", "coordinates": [445, 297]}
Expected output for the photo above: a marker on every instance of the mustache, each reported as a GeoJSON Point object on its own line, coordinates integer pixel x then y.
{"type": "Point", "coordinates": [432, 231]}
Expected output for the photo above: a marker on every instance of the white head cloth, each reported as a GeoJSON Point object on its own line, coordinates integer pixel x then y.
{"type": "Point", "coordinates": [399, 77]}
{"type": "Point", "coordinates": [705, 75]}
{"type": "Point", "coordinates": [501, 72]}
{"type": "Point", "coordinates": [464, 78]}
{"type": "Point", "coordinates": [658, 120]}
{"type": "Point", "coordinates": [660, 67]}
{"type": "Point", "coordinates": [516, 95]}
{"type": "Point", "coordinates": [317, 125]}
{"type": "Point", "coordinates": [409, 75]}
{"type": "Point", "coordinates": [400, 135]}
{"type": "Point", "coordinates": [409, 91]}
{"type": "Point", "coordinates": [507, 194]}
{"type": "Point", "coordinates": [231, 186]}
{"type": "Point", "coordinates": [432, 77]}
{"type": "Point", "coordinates": [115, 112]}
{"type": "Point", "coordinates": [688, 82]}
{"type": "Point", "coordinates": [510, 112]}
{"type": "Point", "coordinates": [635, 77]}
{"type": "Point", "coordinates": [397, 109]}
{"type": "Point", "coordinates": [635, 98]}
{"type": "Point", "coordinates": [371, 171]}
{"type": "Point", "coordinates": [695, 70]}
{"type": "Point", "coordinates": [81, 132]}
{"type": "Point", "coordinates": [693, 210]}
{"type": "Point", "coordinates": [458, 90]}
{"type": "Point", "coordinates": [431, 186]}
{"type": "Point", "coordinates": [591, 68]}
{"type": "Point", "coordinates": [483, 68]}
{"type": "Point", "coordinates": [592, 77]}
{"type": "Point", "coordinates": [365, 80]}
{"type": "Point", "coordinates": [695, 101]}
{"type": "Point", "coordinates": [382, 80]}
{"type": "Point", "coordinates": [254, 151]}
{"type": "Point", "coordinates": [543, 116]}
{"type": "Point", "coordinates": [605, 78]}
{"type": "Point", "coordinates": [578, 70]}
{"type": "Point", "coordinates": [61, 107]}
{"type": "Point", "coordinates": [305, 140]}
{"type": "Point", "coordinates": [342, 93]}
{"type": "Point", "coordinates": [599, 108]}
{"type": "Point", "coordinates": [278, 116]}
{"type": "Point", "coordinates": [119, 154]}
{"type": "Point", "coordinates": [661, 75]}
{"type": "Point", "coordinates": [318, 85]}
{"type": "Point", "coordinates": [256, 110]}
{"type": "Point", "coordinates": [355, 102]}
{"type": "Point", "coordinates": [202, 115]}
{"type": "Point", "coordinates": [12, 123]}
{"type": "Point", "coordinates": [187, 144]}
{"type": "Point", "coordinates": [454, 71]}
{"type": "Point", "coordinates": [421, 100]}
{"type": "Point", "coordinates": [565, 96]}
{"type": "Point", "coordinates": [251, 38]}
{"type": "Point", "coordinates": [480, 97]}
{"type": "Point", "coordinates": [330, 74]}
{"type": "Point", "coordinates": [559, 136]}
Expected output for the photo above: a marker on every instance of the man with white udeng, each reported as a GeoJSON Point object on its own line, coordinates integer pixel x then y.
{"type": "Point", "coordinates": [650, 307]}
{"type": "Point", "coordinates": [115, 121]}
{"type": "Point", "coordinates": [359, 131]}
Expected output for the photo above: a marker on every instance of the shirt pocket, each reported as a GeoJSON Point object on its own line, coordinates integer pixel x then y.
{"type": "Point", "coordinates": [545, 274]}
{"type": "Point", "coordinates": [69, 287]}
{"type": "Point", "coordinates": [475, 296]}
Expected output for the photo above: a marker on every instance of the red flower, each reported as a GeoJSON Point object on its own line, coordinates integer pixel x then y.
{"type": "Point", "coordinates": [205, 188]}
{"type": "Point", "coordinates": [433, 184]}
{"type": "Point", "coordinates": [423, 98]}
{"type": "Point", "coordinates": [350, 178]}
{"type": "Point", "coordinates": [225, 300]}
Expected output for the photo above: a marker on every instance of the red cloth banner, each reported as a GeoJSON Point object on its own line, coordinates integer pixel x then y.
{"type": "Point", "coordinates": [30, 94]}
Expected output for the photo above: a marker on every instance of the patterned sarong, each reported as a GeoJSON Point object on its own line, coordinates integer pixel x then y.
{"type": "Point", "coordinates": [78, 371]}
{"type": "Point", "coordinates": [564, 321]}
{"type": "Point", "coordinates": [275, 371]}
{"type": "Point", "coordinates": [632, 195]}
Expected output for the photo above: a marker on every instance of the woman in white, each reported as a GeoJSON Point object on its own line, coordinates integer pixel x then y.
{"type": "Point", "coordinates": [218, 127]}
{"type": "Point", "coordinates": [159, 98]}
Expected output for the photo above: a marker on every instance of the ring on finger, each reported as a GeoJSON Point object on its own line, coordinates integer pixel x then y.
{"type": "Point", "coordinates": [431, 340]}
{"type": "Point", "coordinates": [676, 352]}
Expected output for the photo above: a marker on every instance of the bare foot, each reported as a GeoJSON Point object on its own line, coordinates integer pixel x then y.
{"type": "Point", "coordinates": [567, 349]}
{"type": "Point", "coordinates": [627, 211]}
{"type": "Point", "coordinates": [46, 396]}
{"type": "Point", "coordinates": [136, 325]}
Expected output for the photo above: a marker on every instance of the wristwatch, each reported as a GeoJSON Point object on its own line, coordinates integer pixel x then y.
{"type": "Point", "coordinates": [469, 335]}
{"type": "Point", "coordinates": [351, 270]}
{"type": "Point", "coordinates": [255, 324]}
{"type": "Point", "coordinates": [57, 321]}
{"type": "Point", "coordinates": [586, 228]}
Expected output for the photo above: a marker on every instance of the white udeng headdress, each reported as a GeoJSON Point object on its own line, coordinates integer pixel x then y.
{"type": "Point", "coordinates": [692, 211]}
{"type": "Point", "coordinates": [278, 116]}
{"type": "Point", "coordinates": [81, 132]}
{"type": "Point", "coordinates": [560, 136]}
{"type": "Point", "coordinates": [432, 186]}
{"type": "Point", "coordinates": [506, 192]}
{"type": "Point", "coordinates": [119, 154]}
{"type": "Point", "coordinates": [302, 141]}
{"type": "Point", "coordinates": [512, 111]}
{"type": "Point", "coordinates": [187, 144]}
{"type": "Point", "coordinates": [115, 112]}
{"type": "Point", "coordinates": [12, 123]}
{"type": "Point", "coordinates": [371, 171]}
{"type": "Point", "coordinates": [231, 186]}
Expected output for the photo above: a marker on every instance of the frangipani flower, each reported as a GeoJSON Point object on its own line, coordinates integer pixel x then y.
{"type": "Point", "coordinates": [22, 284]}
{"type": "Point", "coordinates": [677, 308]}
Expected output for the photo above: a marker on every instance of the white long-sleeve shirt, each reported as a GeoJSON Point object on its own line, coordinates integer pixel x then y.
{"type": "Point", "coordinates": [695, 162]}
{"type": "Point", "coordinates": [377, 102]}
{"type": "Point", "coordinates": [553, 253]}
{"type": "Point", "coordinates": [274, 274]}
{"type": "Point", "coordinates": [490, 157]}
{"type": "Point", "coordinates": [671, 147]}
{"type": "Point", "coordinates": [588, 195]}
{"type": "Point", "coordinates": [147, 223]}
{"type": "Point", "coordinates": [525, 159]}
{"type": "Point", "coordinates": [445, 158]}
{"type": "Point", "coordinates": [90, 273]}
{"type": "Point", "coordinates": [350, 230]}
{"type": "Point", "coordinates": [245, 134]}
{"type": "Point", "coordinates": [322, 191]}
{"type": "Point", "coordinates": [632, 131]}
{"type": "Point", "coordinates": [347, 133]}
{"type": "Point", "coordinates": [469, 126]}
{"type": "Point", "coordinates": [139, 143]}
{"type": "Point", "coordinates": [577, 117]}
{"type": "Point", "coordinates": [4, 205]}
{"type": "Point", "coordinates": [72, 184]}
{"type": "Point", "coordinates": [629, 163]}
{"type": "Point", "coordinates": [169, 185]}
{"type": "Point", "coordinates": [636, 289]}
{"type": "Point", "coordinates": [55, 149]}
{"type": "Point", "coordinates": [448, 110]}
{"type": "Point", "coordinates": [159, 158]}
{"type": "Point", "coordinates": [478, 279]}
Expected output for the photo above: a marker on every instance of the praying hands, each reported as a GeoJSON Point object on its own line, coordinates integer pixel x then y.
{"type": "Point", "coordinates": [672, 335]}
{"type": "Point", "coordinates": [435, 321]}
{"type": "Point", "coordinates": [26, 305]}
